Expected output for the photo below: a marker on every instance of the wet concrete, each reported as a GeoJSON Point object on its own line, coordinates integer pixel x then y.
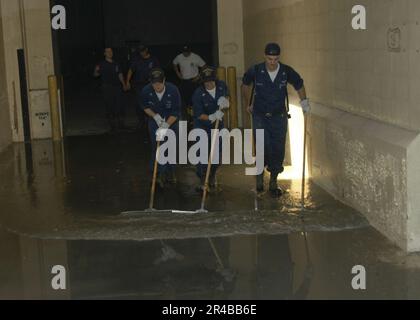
{"type": "Point", "coordinates": [61, 204]}
{"type": "Point", "coordinates": [239, 267]}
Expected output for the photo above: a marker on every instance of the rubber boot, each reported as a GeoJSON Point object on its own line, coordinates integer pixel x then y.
{"type": "Point", "coordinates": [212, 179]}
{"type": "Point", "coordinates": [121, 125]}
{"type": "Point", "coordinates": [260, 183]}
{"type": "Point", "coordinates": [112, 125]}
{"type": "Point", "coordinates": [171, 177]}
{"type": "Point", "coordinates": [201, 186]}
{"type": "Point", "coordinates": [275, 191]}
{"type": "Point", "coordinates": [160, 182]}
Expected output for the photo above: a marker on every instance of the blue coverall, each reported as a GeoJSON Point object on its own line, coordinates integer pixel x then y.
{"type": "Point", "coordinates": [170, 105]}
{"type": "Point", "coordinates": [205, 104]}
{"type": "Point", "coordinates": [111, 90]}
{"type": "Point", "coordinates": [141, 69]}
{"type": "Point", "coordinates": [270, 112]}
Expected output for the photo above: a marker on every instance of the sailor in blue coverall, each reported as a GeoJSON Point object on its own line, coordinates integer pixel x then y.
{"type": "Point", "coordinates": [138, 77]}
{"type": "Point", "coordinates": [209, 102]}
{"type": "Point", "coordinates": [161, 101]}
{"type": "Point", "coordinates": [265, 91]}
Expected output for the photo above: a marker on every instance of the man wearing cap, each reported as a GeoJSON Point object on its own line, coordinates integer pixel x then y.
{"type": "Point", "coordinates": [187, 67]}
{"type": "Point", "coordinates": [113, 83]}
{"type": "Point", "coordinates": [138, 76]}
{"type": "Point", "coordinates": [161, 102]}
{"type": "Point", "coordinates": [265, 91]}
{"type": "Point", "coordinates": [209, 101]}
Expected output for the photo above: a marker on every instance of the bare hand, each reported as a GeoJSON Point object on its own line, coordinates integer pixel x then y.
{"type": "Point", "coordinates": [251, 109]}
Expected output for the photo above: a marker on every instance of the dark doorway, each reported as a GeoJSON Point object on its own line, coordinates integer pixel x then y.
{"type": "Point", "coordinates": [164, 26]}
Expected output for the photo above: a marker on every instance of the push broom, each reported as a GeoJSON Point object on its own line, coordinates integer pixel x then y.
{"type": "Point", "coordinates": [153, 186]}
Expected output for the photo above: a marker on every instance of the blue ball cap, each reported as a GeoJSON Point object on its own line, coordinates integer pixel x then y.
{"type": "Point", "coordinates": [272, 49]}
{"type": "Point", "coordinates": [157, 75]}
{"type": "Point", "coordinates": [208, 74]}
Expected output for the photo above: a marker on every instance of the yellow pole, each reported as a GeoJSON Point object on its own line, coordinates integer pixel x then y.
{"type": "Point", "coordinates": [54, 108]}
{"type": "Point", "coordinates": [221, 74]}
{"type": "Point", "coordinates": [232, 84]}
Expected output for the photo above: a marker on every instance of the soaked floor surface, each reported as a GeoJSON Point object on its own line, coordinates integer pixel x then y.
{"type": "Point", "coordinates": [61, 204]}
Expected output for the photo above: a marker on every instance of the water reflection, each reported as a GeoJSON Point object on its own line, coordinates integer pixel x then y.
{"type": "Point", "coordinates": [243, 267]}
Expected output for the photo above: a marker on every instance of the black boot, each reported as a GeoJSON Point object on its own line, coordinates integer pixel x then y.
{"type": "Point", "coordinates": [171, 177]}
{"type": "Point", "coordinates": [260, 183]}
{"type": "Point", "coordinates": [274, 188]}
{"type": "Point", "coordinates": [160, 182]}
{"type": "Point", "coordinates": [121, 125]}
{"type": "Point", "coordinates": [112, 125]}
{"type": "Point", "coordinates": [201, 186]}
{"type": "Point", "coordinates": [212, 180]}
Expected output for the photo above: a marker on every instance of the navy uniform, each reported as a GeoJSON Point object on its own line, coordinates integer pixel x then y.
{"type": "Point", "coordinates": [140, 69]}
{"type": "Point", "coordinates": [111, 75]}
{"type": "Point", "coordinates": [210, 104]}
{"type": "Point", "coordinates": [270, 112]}
{"type": "Point", "coordinates": [166, 106]}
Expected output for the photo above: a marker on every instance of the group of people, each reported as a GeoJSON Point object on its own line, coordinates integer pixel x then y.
{"type": "Point", "coordinates": [264, 91]}
{"type": "Point", "coordinates": [114, 83]}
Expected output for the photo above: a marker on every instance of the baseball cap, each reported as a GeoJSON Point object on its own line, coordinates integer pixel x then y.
{"type": "Point", "coordinates": [208, 74]}
{"type": "Point", "coordinates": [143, 48]}
{"type": "Point", "coordinates": [157, 75]}
{"type": "Point", "coordinates": [272, 49]}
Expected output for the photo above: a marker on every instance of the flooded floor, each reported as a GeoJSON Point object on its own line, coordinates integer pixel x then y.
{"type": "Point", "coordinates": [61, 204]}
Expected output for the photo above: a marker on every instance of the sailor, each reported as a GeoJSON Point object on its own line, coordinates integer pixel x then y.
{"type": "Point", "coordinates": [138, 77]}
{"type": "Point", "coordinates": [265, 92]}
{"type": "Point", "coordinates": [187, 67]}
{"type": "Point", "coordinates": [161, 101]}
{"type": "Point", "coordinates": [209, 101]}
{"type": "Point", "coordinates": [113, 84]}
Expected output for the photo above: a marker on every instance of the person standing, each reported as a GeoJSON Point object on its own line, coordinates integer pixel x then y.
{"type": "Point", "coordinates": [138, 77]}
{"type": "Point", "coordinates": [265, 92]}
{"type": "Point", "coordinates": [187, 67]}
{"type": "Point", "coordinates": [209, 101]}
{"type": "Point", "coordinates": [113, 85]}
{"type": "Point", "coordinates": [161, 102]}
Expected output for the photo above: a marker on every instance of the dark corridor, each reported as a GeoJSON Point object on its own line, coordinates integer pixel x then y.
{"type": "Point", "coordinates": [164, 26]}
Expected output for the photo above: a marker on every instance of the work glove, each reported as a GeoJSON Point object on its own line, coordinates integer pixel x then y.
{"type": "Point", "coordinates": [218, 115]}
{"type": "Point", "coordinates": [159, 120]}
{"type": "Point", "coordinates": [164, 125]}
{"type": "Point", "coordinates": [306, 107]}
{"type": "Point", "coordinates": [161, 134]}
{"type": "Point", "coordinates": [223, 103]}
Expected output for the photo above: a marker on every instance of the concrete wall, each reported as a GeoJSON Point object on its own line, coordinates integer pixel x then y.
{"type": "Point", "coordinates": [5, 129]}
{"type": "Point", "coordinates": [231, 41]}
{"type": "Point", "coordinates": [364, 141]}
{"type": "Point", "coordinates": [26, 24]}
{"type": "Point", "coordinates": [40, 63]}
{"type": "Point", "coordinates": [12, 37]}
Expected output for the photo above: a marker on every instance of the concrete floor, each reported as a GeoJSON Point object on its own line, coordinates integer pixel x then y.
{"type": "Point", "coordinates": [61, 205]}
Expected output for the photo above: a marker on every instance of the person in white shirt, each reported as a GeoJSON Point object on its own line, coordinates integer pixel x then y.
{"type": "Point", "coordinates": [187, 67]}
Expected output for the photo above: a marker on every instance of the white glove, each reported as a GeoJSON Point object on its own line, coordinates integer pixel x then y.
{"type": "Point", "coordinates": [223, 103]}
{"type": "Point", "coordinates": [164, 125]}
{"type": "Point", "coordinates": [218, 115]}
{"type": "Point", "coordinates": [161, 134]}
{"type": "Point", "coordinates": [306, 107]}
{"type": "Point", "coordinates": [159, 120]}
